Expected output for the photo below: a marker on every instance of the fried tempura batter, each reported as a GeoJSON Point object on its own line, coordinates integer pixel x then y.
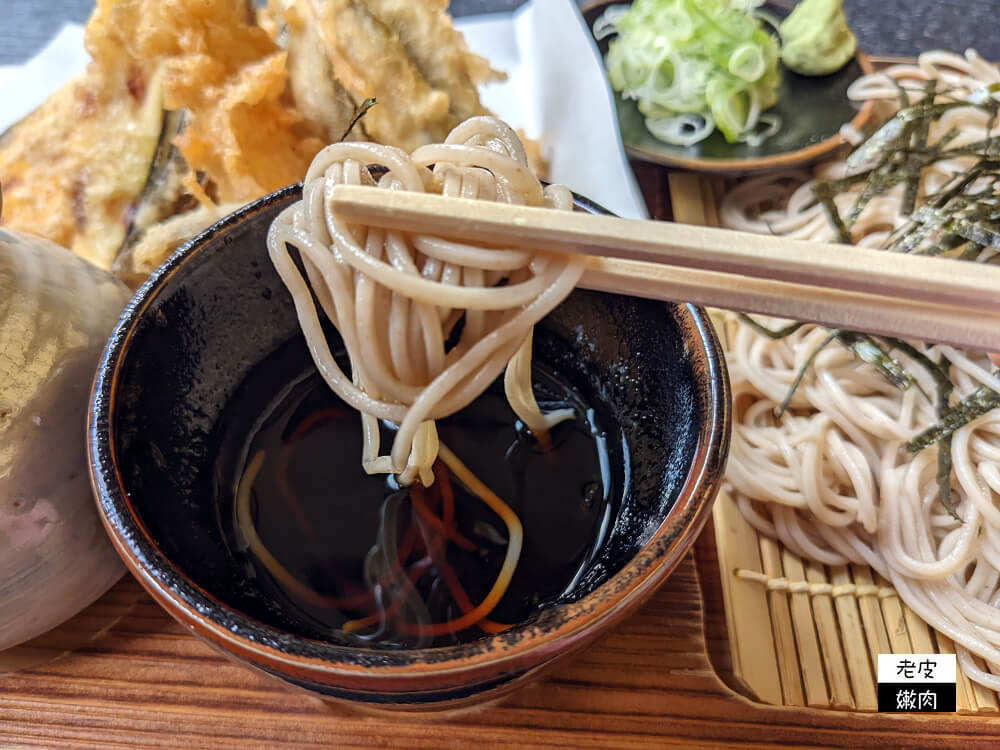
{"type": "Point", "coordinates": [73, 168]}
{"type": "Point", "coordinates": [405, 53]}
{"type": "Point", "coordinates": [228, 74]}
{"type": "Point", "coordinates": [317, 93]}
{"type": "Point", "coordinates": [439, 51]}
{"type": "Point", "coordinates": [192, 103]}
{"type": "Point", "coordinates": [368, 59]}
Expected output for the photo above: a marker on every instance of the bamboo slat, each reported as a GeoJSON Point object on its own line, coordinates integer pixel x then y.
{"type": "Point", "coordinates": [781, 624]}
{"type": "Point", "coordinates": [841, 695]}
{"type": "Point", "coordinates": [921, 636]}
{"type": "Point", "coordinates": [964, 697]}
{"type": "Point", "coordinates": [754, 656]}
{"type": "Point", "coordinates": [876, 635]}
{"type": "Point", "coordinates": [895, 623]}
{"type": "Point", "coordinates": [984, 698]}
{"type": "Point", "coordinates": [859, 666]}
{"type": "Point", "coordinates": [809, 656]}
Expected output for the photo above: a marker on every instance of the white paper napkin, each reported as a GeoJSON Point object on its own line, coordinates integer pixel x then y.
{"type": "Point", "coordinates": [555, 90]}
{"type": "Point", "coordinates": [23, 88]}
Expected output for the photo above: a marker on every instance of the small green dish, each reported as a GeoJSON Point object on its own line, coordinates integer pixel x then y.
{"type": "Point", "coordinates": [812, 111]}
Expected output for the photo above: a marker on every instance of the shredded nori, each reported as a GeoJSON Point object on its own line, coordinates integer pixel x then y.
{"type": "Point", "coordinates": [825, 195]}
{"type": "Point", "coordinates": [960, 214]}
{"type": "Point", "coordinates": [938, 371]}
{"type": "Point", "coordinates": [982, 400]}
{"type": "Point", "coordinates": [961, 219]}
{"type": "Point", "coordinates": [783, 407]}
{"type": "Point", "coordinates": [360, 112]}
{"type": "Point", "coordinates": [865, 349]}
{"type": "Point", "coordinates": [945, 389]}
{"type": "Point", "coordinates": [944, 479]}
{"type": "Point", "coordinates": [920, 133]}
{"type": "Point", "coordinates": [770, 332]}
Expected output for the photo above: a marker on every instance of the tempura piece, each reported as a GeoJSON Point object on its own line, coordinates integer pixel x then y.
{"type": "Point", "coordinates": [439, 51]}
{"type": "Point", "coordinates": [315, 90]}
{"type": "Point", "coordinates": [406, 54]}
{"type": "Point", "coordinates": [192, 103]}
{"type": "Point", "coordinates": [228, 74]}
{"type": "Point", "coordinates": [73, 169]}
{"type": "Point", "coordinates": [156, 243]}
{"type": "Point", "coordinates": [369, 60]}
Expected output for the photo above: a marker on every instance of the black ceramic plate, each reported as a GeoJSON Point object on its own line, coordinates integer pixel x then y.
{"type": "Point", "coordinates": [812, 111]}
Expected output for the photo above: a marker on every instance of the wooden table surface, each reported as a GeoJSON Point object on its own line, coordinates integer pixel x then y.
{"type": "Point", "coordinates": [147, 683]}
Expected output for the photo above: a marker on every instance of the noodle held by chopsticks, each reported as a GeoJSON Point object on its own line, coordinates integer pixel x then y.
{"type": "Point", "coordinates": [428, 324]}
{"type": "Point", "coordinates": [396, 298]}
{"type": "Point", "coordinates": [832, 478]}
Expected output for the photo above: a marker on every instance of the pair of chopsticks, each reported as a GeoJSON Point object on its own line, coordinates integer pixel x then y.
{"type": "Point", "coordinates": [842, 286]}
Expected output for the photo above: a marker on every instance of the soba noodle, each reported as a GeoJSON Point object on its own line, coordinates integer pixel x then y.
{"type": "Point", "coordinates": [396, 298]}
{"type": "Point", "coordinates": [399, 302]}
{"type": "Point", "coordinates": [831, 479]}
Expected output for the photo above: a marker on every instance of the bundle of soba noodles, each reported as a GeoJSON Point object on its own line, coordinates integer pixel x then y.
{"type": "Point", "coordinates": [855, 448]}
{"type": "Point", "coordinates": [427, 323]}
{"type": "Point", "coordinates": [399, 299]}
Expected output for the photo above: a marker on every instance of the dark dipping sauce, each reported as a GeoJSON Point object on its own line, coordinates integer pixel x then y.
{"type": "Point", "coordinates": [319, 514]}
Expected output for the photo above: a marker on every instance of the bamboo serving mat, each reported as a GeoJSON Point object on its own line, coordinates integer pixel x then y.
{"type": "Point", "coordinates": [799, 633]}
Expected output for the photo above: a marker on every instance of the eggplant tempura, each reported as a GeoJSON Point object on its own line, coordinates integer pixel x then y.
{"type": "Point", "coordinates": [191, 108]}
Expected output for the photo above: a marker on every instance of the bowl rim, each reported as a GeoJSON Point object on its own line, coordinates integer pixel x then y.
{"type": "Point", "coordinates": [356, 667]}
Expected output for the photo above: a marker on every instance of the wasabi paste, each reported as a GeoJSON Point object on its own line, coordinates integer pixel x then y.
{"type": "Point", "coordinates": [815, 38]}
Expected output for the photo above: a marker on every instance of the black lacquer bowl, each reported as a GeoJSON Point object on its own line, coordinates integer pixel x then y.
{"type": "Point", "coordinates": [217, 308]}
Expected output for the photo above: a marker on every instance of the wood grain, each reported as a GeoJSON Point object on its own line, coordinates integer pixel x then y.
{"type": "Point", "coordinates": [148, 684]}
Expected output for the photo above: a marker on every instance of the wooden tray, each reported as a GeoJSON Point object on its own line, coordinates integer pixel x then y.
{"type": "Point", "coordinates": [148, 683]}
{"type": "Point", "coordinates": [663, 679]}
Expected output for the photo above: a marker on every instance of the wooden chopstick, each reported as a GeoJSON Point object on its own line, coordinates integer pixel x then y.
{"type": "Point", "coordinates": [844, 286]}
{"type": "Point", "coordinates": [827, 265]}
{"type": "Point", "coordinates": [921, 321]}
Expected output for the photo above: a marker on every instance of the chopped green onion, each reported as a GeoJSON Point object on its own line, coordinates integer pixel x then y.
{"type": "Point", "coordinates": [693, 57]}
{"type": "Point", "coordinates": [747, 62]}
